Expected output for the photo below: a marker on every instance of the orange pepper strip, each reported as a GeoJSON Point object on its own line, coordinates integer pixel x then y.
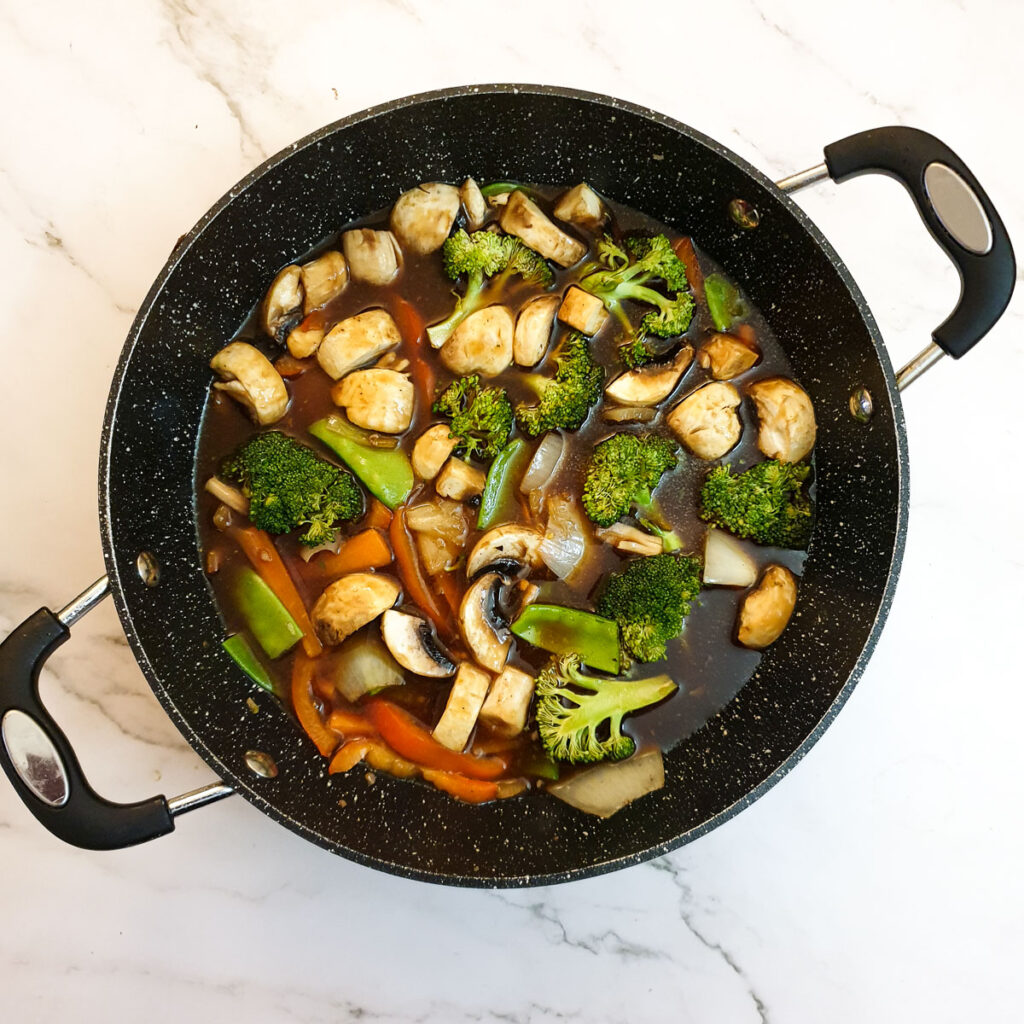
{"type": "Point", "coordinates": [412, 578]}
{"type": "Point", "coordinates": [260, 550]}
{"type": "Point", "coordinates": [471, 791]}
{"type": "Point", "coordinates": [378, 515]}
{"type": "Point", "coordinates": [349, 724]}
{"type": "Point", "coordinates": [408, 737]}
{"type": "Point", "coordinates": [366, 550]}
{"type": "Point", "coordinates": [450, 591]}
{"type": "Point", "coordinates": [414, 333]}
{"type": "Point", "coordinates": [349, 754]}
{"type": "Point", "coordinates": [305, 708]}
{"type": "Point", "coordinates": [684, 250]}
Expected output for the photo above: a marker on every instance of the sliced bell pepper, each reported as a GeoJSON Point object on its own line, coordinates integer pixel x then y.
{"type": "Point", "coordinates": [411, 575]}
{"type": "Point", "coordinates": [571, 631]}
{"type": "Point", "coordinates": [267, 618]}
{"type": "Point", "coordinates": [244, 657]}
{"type": "Point", "coordinates": [684, 250]}
{"type": "Point", "coordinates": [305, 707]}
{"type": "Point", "coordinates": [471, 791]}
{"type": "Point", "coordinates": [366, 550]}
{"type": "Point", "coordinates": [498, 502]}
{"type": "Point", "coordinates": [414, 333]}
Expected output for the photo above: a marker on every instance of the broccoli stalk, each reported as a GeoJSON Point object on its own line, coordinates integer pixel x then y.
{"type": "Point", "coordinates": [565, 399]}
{"type": "Point", "coordinates": [477, 257]}
{"type": "Point", "coordinates": [575, 711]}
{"type": "Point", "coordinates": [481, 418]}
{"type": "Point", "coordinates": [622, 472]}
{"type": "Point", "coordinates": [669, 538]}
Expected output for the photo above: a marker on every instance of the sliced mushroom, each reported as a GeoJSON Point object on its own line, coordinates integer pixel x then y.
{"type": "Point", "coordinates": [474, 204]}
{"type": "Point", "coordinates": [249, 377]}
{"type": "Point", "coordinates": [487, 639]}
{"type": "Point", "coordinates": [373, 256]}
{"type": "Point", "coordinates": [422, 217]}
{"type": "Point", "coordinates": [508, 702]}
{"type": "Point", "coordinates": [582, 311]}
{"type": "Point", "coordinates": [727, 356]}
{"type": "Point", "coordinates": [305, 338]}
{"type": "Point", "coordinates": [283, 299]}
{"type": "Point", "coordinates": [510, 542]}
{"type": "Point", "coordinates": [522, 217]}
{"type": "Point", "coordinates": [323, 279]}
{"type": "Point", "coordinates": [431, 449]}
{"type": "Point", "coordinates": [413, 645]}
{"type": "Point", "coordinates": [766, 610]}
{"type": "Point", "coordinates": [581, 205]}
{"type": "Point", "coordinates": [482, 343]}
{"type": "Point", "coordinates": [648, 385]}
{"type": "Point", "coordinates": [459, 480]}
{"type": "Point", "coordinates": [706, 421]}
{"type": "Point", "coordinates": [356, 341]}
{"type": "Point", "coordinates": [533, 329]}
{"type": "Point", "coordinates": [376, 399]}
{"type": "Point", "coordinates": [786, 419]}
{"type": "Point", "coordinates": [464, 702]}
{"type": "Point", "coordinates": [350, 603]}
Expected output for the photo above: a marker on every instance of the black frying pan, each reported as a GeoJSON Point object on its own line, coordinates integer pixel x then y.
{"type": "Point", "coordinates": [305, 194]}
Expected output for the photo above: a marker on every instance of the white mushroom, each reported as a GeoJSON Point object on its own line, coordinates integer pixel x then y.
{"type": "Point", "coordinates": [487, 639]}
{"type": "Point", "coordinates": [766, 610]}
{"type": "Point", "coordinates": [459, 480]}
{"type": "Point", "coordinates": [508, 702]}
{"type": "Point", "coordinates": [283, 298]}
{"type": "Point", "coordinates": [460, 713]}
{"type": "Point", "coordinates": [431, 449]}
{"type": "Point", "coordinates": [422, 217]}
{"type": "Point", "coordinates": [474, 204]}
{"type": "Point", "coordinates": [413, 645]}
{"type": "Point", "coordinates": [533, 329]}
{"type": "Point", "coordinates": [581, 205]}
{"type": "Point", "coordinates": [350, 603]}
{"type": "Point", "coordinates": [248, 376]}
{"type": "Point", "coordinates": [373, 256]}
{"type": "Point", "coordinates": [376, 399]}
{"type": "Point", "coordinates": [727, 356]}
{"type": "Point", "coordinates": [522, 217]}
{"type": "Point", "coordinates": [582, 311]}
{"type": "Point", "coordinates": [323, 279]}
{"type": "Point", "coordinates": [512, 542]}
{"type": "Point", "coordinates": [786, 419]}
{"type": "Point", "coordinates": [356, 341]}
{"type": "Point", "coordinates": [648, 385]}
{"type": "Point", "coordinates": [305, 338]}
{"type": "Point", "coordinates": [482, 343]}
{"type": "Point", "coordinates": [706, 421]}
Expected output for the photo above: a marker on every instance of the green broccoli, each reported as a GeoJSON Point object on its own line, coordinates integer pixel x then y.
{"type": "Point", "coordinates": [572, 709]}
{"type": "Point", "coordinates": [649, 599]}
{"type": "Point", "coordinates": [767, 503]}
{"type": "Point", "coordinates": [622, 472]}
{"type": "Point", "coordinates": [669, 538]}
{"type": "Point", "coordinates": [565, 399]}
{"type": "Point", "coordinates": [482, 255]}
{"type": "Point", "coordinates": [289, 485]}
{"type": "Point", "coordinates": [481, 417]}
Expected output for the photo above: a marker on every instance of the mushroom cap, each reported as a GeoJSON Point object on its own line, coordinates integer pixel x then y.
{"type": "Point", "coordinates": [648, 385]}
{"type": "Point", "coordinates": [323, 279]}
{"type": "Point", "coordinates": [248, 376]}
{"type": "Point", "coordinates": [787, 430]}
{"type": "Point", "coordinates": [706, 420]}
{"type": "Point", "coordinates": [474, 204]}
{"type": "Point", "coordinates": [533, 329]}
{"type": "Point", "coordinates": [766, 610]}
{"type": "Point", "coordinates": [488, 641]}
{"type": "Point", "coordinates": [373, 256]}
{"type": "Point", "coordinates": [351, 602]}
{"type": "Point", "coordinates": [512, 541]}
{"type": "Point", "coordinates": [413, 645]}
{"type": "Point", "coordinates": [422, 217]}
{"type": "Point", "coordinates": [482, 343]}
{"type": "Point", "coordinates": [377, 399]}
{"type": "Point", "coordinates": [283, 298]}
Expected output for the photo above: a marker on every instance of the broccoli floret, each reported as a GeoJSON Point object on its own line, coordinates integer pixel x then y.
{"type": "Point", "coordinates": [481, 417]}
{"type": "Point", "coordinates": [649, 599]}
{"type": "Point", "coordinates": [289, 485]}
{"type": "Point", "coordinates": [479, 256]}
{"type": "Point", "coordinates": [669, 538]}
{"type": "Point", "coordinates": [572, 709]}
{"type": "Point", "coordinates": [767, 503]}
{"type": "Point", "coordinates": [565, 399]}
{"type": "Point", "coordinates": [622, 472]}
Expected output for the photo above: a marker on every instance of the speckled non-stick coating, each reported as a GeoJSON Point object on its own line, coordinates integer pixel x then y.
{"type": "Point", "coordinates": [360, 164]}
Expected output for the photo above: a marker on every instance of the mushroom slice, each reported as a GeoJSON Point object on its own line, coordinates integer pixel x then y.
{"type": "Point", "coordinates": [727, 356]}
{"type": "Point", "coordinates": [533, 329]}
{"type": "Point", "coordinates": [459, 480]}
{"type": "Point", "coordinates": [508, 702]}
{"type": "Point", "coordinates": [460, 713]}
{"type": "Point", "coordinates": [373, 256]}
{"type": "Point", "coordinates": [786, 419]}
{"type": "Point", "coordinates": [474, 204]}
{"type": "Point", "coordinates": [648, 385]}
{"type": "Point", "coordinates": [581, 205]}
{"type": "Point", "coordinates": [323, 279]}
{"type": "Point", "coordinates": [283, 298]}
{"type": "Point", "coordinates": [522, 217]}
{"type": "Point", "coordinates": [304, 339]}
{"type": "Point", "coordinates": [350, 603]}
{"type": "Point", "coordinates": [356, 341]}
{"type": "Point", "coordinates": [583, 311]}
{"type": "Point", "coordinates": [482, 343]}
{"type": "Point", "coordinates": [510, 542]}
{"type": "Point", "coordinates": [706, 420]}
{"type": "Point", "coordinates": [487, 639]}
{"type": "Point", "coordinates": [422, 217]}
{"type": "Point", "coordinates": [376, 399]}
{"type": "Point", "coordinates": [248, 376]}
{"type": "Point", "coordinates": [766, 610]}
{"type": "Point", "coordinates": [413, 645]}
{"type": "Point", "coordinates": [431, 450]}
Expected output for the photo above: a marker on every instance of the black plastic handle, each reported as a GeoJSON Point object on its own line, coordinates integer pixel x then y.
{"type": "Point", "coordinates": [957, 212]}
{"type": "Point", "coordinates": [71, 810]}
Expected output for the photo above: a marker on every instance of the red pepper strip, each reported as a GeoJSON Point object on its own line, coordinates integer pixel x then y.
{"type": "Point", "coordinates": [684, 250]}
{"type": "Point", "coordinates": [414, 333]}
{"type": "Point", "coordinates": [409, 571]}
{"type": "Point", "coordinates": [305, 708]}
{"type": "Point", "coordinates": [472, 791]}
{"type": "Point", "coordinates": [406, 736]}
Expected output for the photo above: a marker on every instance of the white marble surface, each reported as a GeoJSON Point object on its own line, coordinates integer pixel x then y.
{"type": "Point", "coordinates": [881, 881]}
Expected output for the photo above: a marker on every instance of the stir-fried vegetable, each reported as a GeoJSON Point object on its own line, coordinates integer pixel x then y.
{"type": "Point", "coordinates": [724, 301]}
{"type": "Point", "coordinates": [571, 631]}
{"type": "Point", "coordinates": [245, 658]}
{"type": "Point", "coordinates": [498, 500]}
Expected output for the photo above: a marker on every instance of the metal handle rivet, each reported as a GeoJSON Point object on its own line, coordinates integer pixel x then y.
{"type": "Point", "coordinates": [744, 214]}
{"type": "Point", "coordinates": [148, 568]}
{"type": "Point", "coordinates": [862, 405]}
{"type": "Point", "coordinates": [262, 764]}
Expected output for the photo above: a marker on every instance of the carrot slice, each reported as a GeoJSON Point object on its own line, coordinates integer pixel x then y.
{"type": "Point", "coordinates": [413, 329]}
{"type": "Point", "coordinates": [471, 791]}
{"type": "Point", "coordinates": [349, 724]}
{"type": "Point", "coordinates": [366, 550]}
{"type": "Point", "coordinates": [378, 515]}
{"type": "Point", "coordinates": [684, 250]}
{"type": "Point", "coordinates": [411, 575]}
{"type": "Point", "coordinates": [260, 551]}
{"type": "Point", "coordinates": [305, 707]}
{"type": "Point", "coordinates": [349, 754]}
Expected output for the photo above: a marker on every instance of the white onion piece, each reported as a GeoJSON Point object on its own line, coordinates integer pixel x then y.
{"type": "Point", "coordinates": [565, 539]}
{"type": "Point", "coordinates": [363, 665]}
{"type": "Point", "coordinates": [544, 462]}
{"type": "Point", "coordinates": [333, 547]}
{"type": "Point", "coordinates": [726, 564]}
{"type": "Point", "coordinates": [607, 788]}
{"type": "Point", "coordinates": [630, 414]}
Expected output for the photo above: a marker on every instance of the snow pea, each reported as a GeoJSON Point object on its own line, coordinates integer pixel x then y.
{"type": "Point", "coordinates": [498, 500]}
{"type": "Point", "coordinates": [268, 620]}
{"type": "Point", "coordinates": [244, 657]}
{"type": "Point", "coordinates": [571, 631]}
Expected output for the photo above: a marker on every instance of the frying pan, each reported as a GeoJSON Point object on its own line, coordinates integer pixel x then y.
{"type": "Point", "coordinates": [300, 197]}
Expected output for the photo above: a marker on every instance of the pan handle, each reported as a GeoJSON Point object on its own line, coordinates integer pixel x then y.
{"type": "Point", "coordinates": [41, 763]}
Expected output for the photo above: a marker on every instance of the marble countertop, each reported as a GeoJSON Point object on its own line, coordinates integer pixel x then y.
{"type": "Point", "coordinates": [880, 881]}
